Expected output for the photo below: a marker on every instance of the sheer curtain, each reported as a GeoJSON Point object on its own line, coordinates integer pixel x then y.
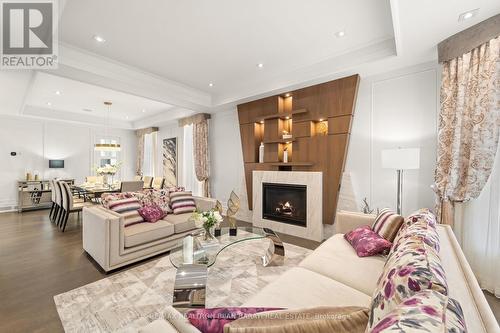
{"type": "Point", "coordinates": [477, 226]}
{"type": "Point", "coordinates": [189, 180]}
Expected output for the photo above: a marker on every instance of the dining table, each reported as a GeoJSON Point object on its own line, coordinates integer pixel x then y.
{"type": "Point", "coordinates": [93, 192]}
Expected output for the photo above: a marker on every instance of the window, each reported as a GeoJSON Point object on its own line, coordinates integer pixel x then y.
{"type": "Point", "coordinates": [101, 158]}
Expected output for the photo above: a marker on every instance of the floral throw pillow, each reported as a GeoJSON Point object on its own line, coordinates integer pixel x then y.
{"type": "Point", "coordinates": [213, 320]}
{"type": "Point", "coordinates": [152, 213]}
{"type": "Point", "coordinates": [366, 242]}
{"type": "Point", "coordinates": [423, 224]}
{"type": "Point", "coordinates": [155, 197]}
{"type": "Point", "coordinates": [412, 268]}
{"type": "Point", "coordinates": [427, 311]}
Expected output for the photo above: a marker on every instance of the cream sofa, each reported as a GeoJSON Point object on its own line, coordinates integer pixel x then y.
{"type": "Point", "coordinates": [333, 275]}
{"type": "Point", "coordinates": [112, 245]}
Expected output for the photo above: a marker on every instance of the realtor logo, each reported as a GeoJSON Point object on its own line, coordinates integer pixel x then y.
{"type": "Point", "coordinates": [28, 34]}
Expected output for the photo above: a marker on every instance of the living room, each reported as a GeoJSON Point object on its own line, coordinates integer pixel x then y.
{"type": "Point", "coordinates": [250, 166]}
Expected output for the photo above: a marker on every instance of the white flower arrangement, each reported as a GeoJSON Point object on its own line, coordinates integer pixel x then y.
{"type": "Point", "coordinates": [108, 169]}
{"type": "Point", "coordinates": [207, 220]}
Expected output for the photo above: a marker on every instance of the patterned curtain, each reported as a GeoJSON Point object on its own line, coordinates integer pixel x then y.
{"type": "Point", "coordinates": [200, 154]}
{"type": "Point", "coordinates": [469, 125]}
{"type": "Point", "coordinates": [139, 161]}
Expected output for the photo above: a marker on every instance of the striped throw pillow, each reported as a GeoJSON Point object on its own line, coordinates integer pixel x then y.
{"type": "Point", "coordinates": [182, 202]}
{"type": "Point", "coordinates": [387, 224]}
{"type": "Point", "coordinates": [129, 208]}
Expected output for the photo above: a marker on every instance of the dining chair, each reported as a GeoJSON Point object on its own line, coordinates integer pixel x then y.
{"type": "Point", "coordinates": [58, 201]}
{"type": "Point", "coordinates": [131, 186]}
{"type": "Point", "coordinates": [69, 206]}
{"type": "Point", "coordinates": [158, 183]}
{"type": "Point", "coordinates": [137, 177]}
{"type": "Point", "coordinates": [52, 199]}
{"type": "Point", "coordinates": [148, 180]}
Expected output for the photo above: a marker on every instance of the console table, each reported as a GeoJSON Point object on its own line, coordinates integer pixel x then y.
{"type": "Point", "coordinates": [35, 194]}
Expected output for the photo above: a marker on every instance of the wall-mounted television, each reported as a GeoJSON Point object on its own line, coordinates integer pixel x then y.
{"type": "Point", "coordinates": [56, 164]}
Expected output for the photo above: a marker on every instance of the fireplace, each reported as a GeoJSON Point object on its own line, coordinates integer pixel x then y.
{"type": "Point", "coordinates": [285, 203]}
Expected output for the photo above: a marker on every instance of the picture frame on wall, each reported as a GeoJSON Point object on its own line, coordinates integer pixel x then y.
{"type": "Point", "coordinates": [170, 157]}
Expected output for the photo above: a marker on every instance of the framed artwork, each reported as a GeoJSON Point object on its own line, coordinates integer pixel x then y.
{"type": "Point", "coordinates": [170, 162]}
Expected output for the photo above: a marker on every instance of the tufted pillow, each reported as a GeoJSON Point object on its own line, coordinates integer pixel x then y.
{"type": "Point", "coordinates": [152, 213]}
{"type": "Point", "coordinates": [422, 224]}
{"type": "Point", "coordinates": [213, 320]}
{"type": "Point", "coordinates": [129, 208]}
{"type": "Point", "coordinates": [387, 224]}
{"type": "Point", "coordinates": [366, 242]}
{"type": "Point", "coordinates": [182, 202]}
{"type": "Point", "coordinates": [413, 266]}
{"type": "Point", "coordinates": [427, 311]}
{"type": "Point", "coordinates": [159, 197]}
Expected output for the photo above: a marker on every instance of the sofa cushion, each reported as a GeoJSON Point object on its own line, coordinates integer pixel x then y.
{"type": "Point", "coordinates": [147, 232]}
{"type": "Point", "coordinates": [413, 267]}
{"type": "Point", "coordinates": [160, 197]}
{"type": "Point", "coordinates": [387, 224]}
{"type": "Point", "coordinates": [336, 259]}
{"type": "Point", "coordinates": [367, 242]}
{"type": "Point", "coordinates": [426, 311]}
{"type": "Point", "coordinates": [299, 286]}
{"type": "Point", "coordinates": [349, 319]}
{"type": "Point", "coordinates": [181, 222]}
{"type": "Point", "coordinates": [182, 202]}
{"type": "Point", "coordinates": [152, 213]}
{"type": "Point", "coordinates": [421, 223]}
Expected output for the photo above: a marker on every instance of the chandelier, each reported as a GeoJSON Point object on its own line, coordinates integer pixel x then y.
{"type": "Point", "coordinates": [107, 146]}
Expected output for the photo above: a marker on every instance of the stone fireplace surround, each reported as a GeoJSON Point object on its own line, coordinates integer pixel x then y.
{"type": "Point", "coordinates": [314, 183]}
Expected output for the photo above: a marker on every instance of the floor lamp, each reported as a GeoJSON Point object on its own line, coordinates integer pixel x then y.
{"type": "Point", "coordinates": [400, 159]}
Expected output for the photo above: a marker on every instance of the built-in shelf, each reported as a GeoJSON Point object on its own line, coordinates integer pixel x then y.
{"type": "Point", "coordinates": [292, 164]}
{"type": "Point", "coordinates": [281, 115]}
{"type": "Point", "coordinates": [280, 141]}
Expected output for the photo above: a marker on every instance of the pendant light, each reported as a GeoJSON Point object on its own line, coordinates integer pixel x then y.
{"type": "Point", "coordinates": [107, 146]}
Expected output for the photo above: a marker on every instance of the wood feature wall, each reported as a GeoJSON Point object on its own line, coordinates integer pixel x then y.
{"type": "Point", "coordinates": [318, 117]}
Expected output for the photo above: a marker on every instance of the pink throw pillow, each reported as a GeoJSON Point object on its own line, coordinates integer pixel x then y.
{"type": "Point", "coordinates": [367, 242]}
{"type": "Point", "coordinates": [152, 213]}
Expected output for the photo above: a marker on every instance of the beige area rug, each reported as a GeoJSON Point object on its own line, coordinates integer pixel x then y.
{"type": "Point", "coordinates": [131, 299]}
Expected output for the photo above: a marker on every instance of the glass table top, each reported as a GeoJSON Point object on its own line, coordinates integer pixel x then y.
{"type": "Point", "coordinates": [193, 249]}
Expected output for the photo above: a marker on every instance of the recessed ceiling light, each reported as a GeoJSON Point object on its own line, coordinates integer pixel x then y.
{"type": "Point", "coordinates": [210, 84]}
{"type": "Point", "coordinates": [87, 110]}
{"type": "Point", "coordinates": [467, 15]}
{"type": "Point", "coordinates": [260, 65]}
{"type": "Point", "coordinates": [49, 104]}
{"type": "Point", "coordinates": [126, 117]}
{"type": "Point", "coordinates": [340, 34]}
{"type": "Point", "coordinates": [58, 92]}
{"type": "Point", "coordinates": [288, 95]}
{"type": "Point", "coordinates": [99, 39]}
{"type": "Point", "coordinates": [143, 110]}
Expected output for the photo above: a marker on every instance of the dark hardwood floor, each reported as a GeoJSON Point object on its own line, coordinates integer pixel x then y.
{"type": "Point", "coordinates": [37, 262]}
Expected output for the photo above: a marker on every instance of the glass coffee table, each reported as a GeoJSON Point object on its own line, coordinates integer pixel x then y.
{"type": "Point", "coordinates": [194, 255]}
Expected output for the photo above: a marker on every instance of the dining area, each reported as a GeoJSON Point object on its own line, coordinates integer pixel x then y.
{"type": "Point", "coordinates": [70, 198]}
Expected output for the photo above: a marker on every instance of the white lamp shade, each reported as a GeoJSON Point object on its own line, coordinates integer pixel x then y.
{"type": "Point", "coordinates": [401, 158]}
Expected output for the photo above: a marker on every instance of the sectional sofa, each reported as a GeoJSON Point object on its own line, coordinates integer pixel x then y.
{"type": "Point", "coordinates": [334, 276]}
{"type": "Point", "coordinates": [112, 245]}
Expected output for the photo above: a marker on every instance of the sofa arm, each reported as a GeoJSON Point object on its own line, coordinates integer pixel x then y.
{"type": "Point", "coordinates": [204, 204]}
{"type": "Point", "coordinates": [347, 221]}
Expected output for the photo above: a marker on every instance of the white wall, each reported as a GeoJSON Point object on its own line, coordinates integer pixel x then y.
{"type": "Point", "coordinates": [36, 141]}
{"type": "Point", "coordinates": [397, 109]}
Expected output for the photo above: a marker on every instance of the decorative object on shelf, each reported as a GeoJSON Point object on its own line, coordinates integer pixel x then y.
{"type": "Point", "coordinates": [233, 205]}
{"type": "Point", "coordinates": [107, 146]}
{"type": "Point", "coordinates": [208, 220]}
{"type": "Point", "coordinates": [322, 127]}
{"type": "Point", "coordinates": [285, 155]}
{"type": "Point", "coordinates": [170, 162]}
{"type": "Point", "coordinates": [286, 135]}
{"type": "Point", "coordinates": [366, 207]}
{"type": "Point", "coordinates": [400, 159]}
{"type": "Point", "coordinates": [28, 176]}
{"type": "Point", "coordinates": [261, 152]}
{"type": "Point", "coordinates": [108, 170]}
